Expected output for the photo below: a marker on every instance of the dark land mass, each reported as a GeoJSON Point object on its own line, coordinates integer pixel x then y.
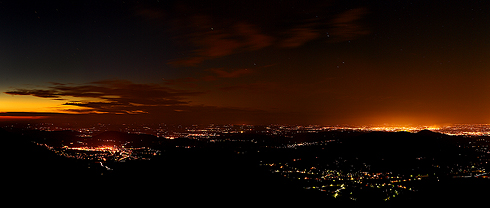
{"type": "Point", "coordinates": [229, 171]}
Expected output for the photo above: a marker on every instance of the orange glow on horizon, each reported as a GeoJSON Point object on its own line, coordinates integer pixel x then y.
{"type": "Point", "coordinates": [20, 103]}
{"type": "Point", "coordinates": [401, 119]}
{"type": "Point", "coordinates": [10, 118]}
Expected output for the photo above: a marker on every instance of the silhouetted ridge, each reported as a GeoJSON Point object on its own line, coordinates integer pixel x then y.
{"type": "Point", "coordinates": [426, 132]}
{"type": "Point", "coordinates": [233, 166]}
{"type": "Point", "coordinates": [114, 135]}
{"type": "Point", "coordinates": [33, 165]}
{"type": "Point", "coordinates": [397, 151]}
{"type": "Point", "coordinates": [116, 138]}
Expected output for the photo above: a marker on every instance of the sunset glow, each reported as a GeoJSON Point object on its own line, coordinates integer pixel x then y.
{"type": "Point", "coordinates": [335, 63]}
{"type": "Point", "coordinates": [14, 118]}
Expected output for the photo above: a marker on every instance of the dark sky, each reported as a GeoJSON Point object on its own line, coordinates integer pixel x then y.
{"type": "Point", "coordinates": [256, 62]}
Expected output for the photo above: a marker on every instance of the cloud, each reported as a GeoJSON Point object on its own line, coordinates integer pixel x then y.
{"type": "Point", "coordinates": [187, 82]}
{"type": "Point", "coordinates": [299, 36]}
{"type": "Point", "coordinates": [252, 38]}
{"type": "Point", "coordinates": [346, 26]}
{"type": "Point", "coordinates": [254, 86]}
{"type": "Point", "coordinates": [207, 31]}
{"type": "Point", "coordinates": [230, 74]}
{"type": "Point", "coordinates": [211, 40]}
{"type": "Point", "coordinates": [37, 93]}
{"type": "Point", "coordinates": [112, 96]}
{"type": "Point", "coordinates": [342, 27]}
{"type": "Point", "coordinates": [121, 101]}
{"type": "Point", "coordinates": [116, 113]}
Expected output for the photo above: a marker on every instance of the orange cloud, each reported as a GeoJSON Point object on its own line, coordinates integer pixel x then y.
{"type": "Point", "coordinates": [252, 38]}
{"type": "Point", "coordinates": [232, 74]}
{"type": "Point", "coordinates": [299, 36]}
{"type": "Point", "coordinates": [211, 40]}
{"type": "Point", "coordinates": [206, 33]}
{"type": "Point", "coordinates": [346, 25]}
{"type": "Point", "coordinates": [112, 96]}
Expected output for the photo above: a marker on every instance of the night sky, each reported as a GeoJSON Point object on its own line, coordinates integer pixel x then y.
{"type": "Point", "coordinates": [253, 62]}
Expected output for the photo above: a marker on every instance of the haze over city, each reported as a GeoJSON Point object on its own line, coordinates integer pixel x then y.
{"type": "Point", "coordinates": [248, 62]}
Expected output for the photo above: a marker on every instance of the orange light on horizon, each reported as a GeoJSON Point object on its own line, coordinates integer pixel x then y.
{"type": "Point", "coordinates": [33, 104]}
{"type": "Point", "coordinates": [10, 118]}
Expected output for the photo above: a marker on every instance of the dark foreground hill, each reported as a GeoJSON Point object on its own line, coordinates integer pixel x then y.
{"type": "Point", "coordinates": [210, 174]}
{"type": "Point", "coordinates": [182, 176]}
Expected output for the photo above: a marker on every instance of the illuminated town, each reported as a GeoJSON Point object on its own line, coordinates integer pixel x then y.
{"type": "Point", "coordinates": [342, 184]}
{"type": "Point", "coordinates": [176, 131]}
{"type": "Point", "coordinates": [104, 153]}
{"type": "Point", "coordinates": [345, 163]}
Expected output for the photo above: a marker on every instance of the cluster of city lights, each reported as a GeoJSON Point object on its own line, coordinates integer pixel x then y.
{"type": "Point", "coordinates": [212, 130]}
{"type": "Point", "coordinates": [453, 130]}
{"type": "Point", "coordinates": [344, 184]}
